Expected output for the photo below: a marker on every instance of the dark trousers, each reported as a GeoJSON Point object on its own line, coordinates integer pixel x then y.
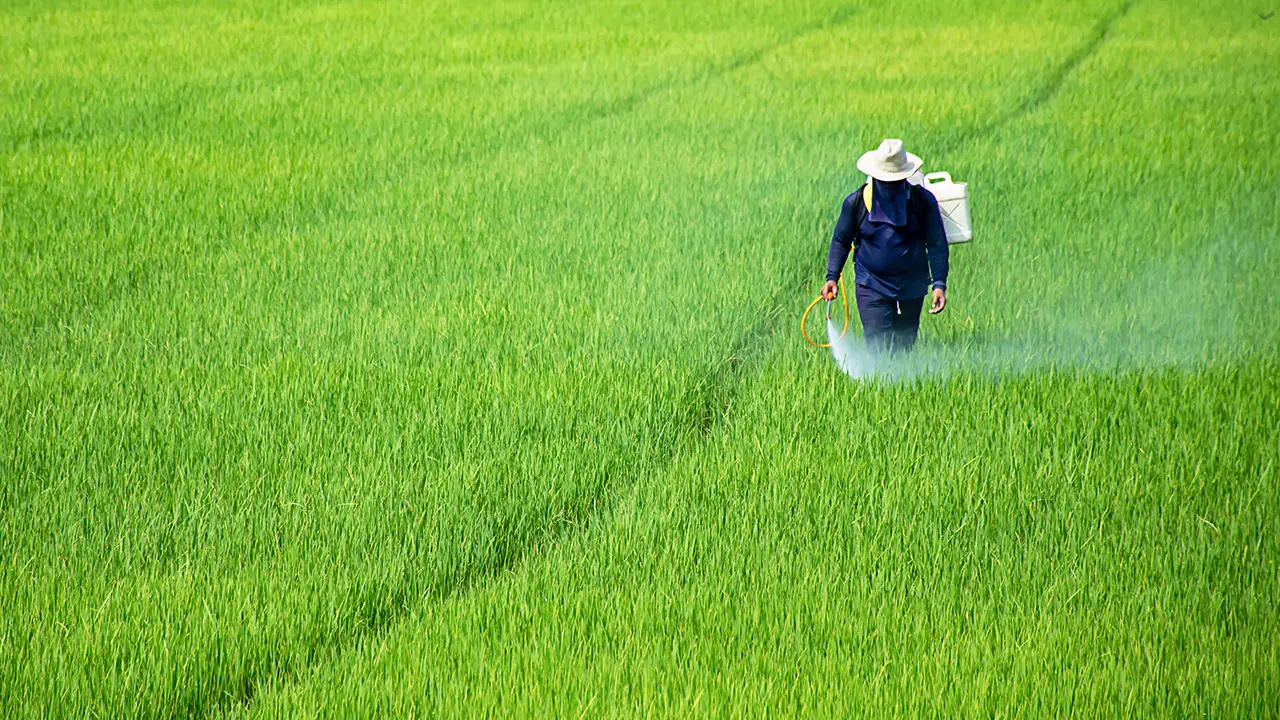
{"type": "Point", "coordinates": [888, 324]}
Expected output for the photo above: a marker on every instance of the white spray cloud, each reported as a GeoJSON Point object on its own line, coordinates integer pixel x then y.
{"type": "Point", "coordinates": [850, 355]}
{"type": "Point", "coordinates": [1181, 311]}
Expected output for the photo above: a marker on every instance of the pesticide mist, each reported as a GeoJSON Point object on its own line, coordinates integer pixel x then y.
{"type": "Point", "coordinates": [1167, 313]}
{"type": "Point", "coordinates": [850, 354]}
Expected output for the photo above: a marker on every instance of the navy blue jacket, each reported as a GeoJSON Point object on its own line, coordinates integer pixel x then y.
{"type": "Point", "coordinates": [892, 261]}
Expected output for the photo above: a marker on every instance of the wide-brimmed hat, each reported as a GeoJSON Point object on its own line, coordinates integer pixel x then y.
{"type": "Point", "coordinates": [889, 162]}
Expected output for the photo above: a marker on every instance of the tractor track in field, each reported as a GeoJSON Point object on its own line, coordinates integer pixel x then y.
{"type": "Point", "coordinates": [1052, 85]}
{"type": "Point", "coordinates": [718, 398]}
{"type": "Point", "coordinates": [734, 64]}
{"type": "Point", "coordinates": [710, 402]}
{"type": "Point", "coordinates": [585, 114]}
{"type": "Point", "coordinates": [333, 205]}
{"type": "Point", "coordinates": [708, 395]}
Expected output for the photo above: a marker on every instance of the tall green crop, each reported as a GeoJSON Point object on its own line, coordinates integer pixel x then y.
{"type": "Point", "coordinates": [389, 359]}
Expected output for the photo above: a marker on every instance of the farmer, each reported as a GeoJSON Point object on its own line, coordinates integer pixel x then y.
{"type": "Point", "coordinates": [899, 244]}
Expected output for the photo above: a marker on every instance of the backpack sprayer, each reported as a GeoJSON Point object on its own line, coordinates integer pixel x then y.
{"type": "Point", "coordinates": [953, 203]}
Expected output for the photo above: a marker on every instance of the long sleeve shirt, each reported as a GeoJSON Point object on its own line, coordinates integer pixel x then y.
{"type": "Point", "coordinates": [896, 262]}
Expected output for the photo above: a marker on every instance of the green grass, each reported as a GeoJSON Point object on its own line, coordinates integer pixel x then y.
{"type": "Point", "coordinates": [395, 359]}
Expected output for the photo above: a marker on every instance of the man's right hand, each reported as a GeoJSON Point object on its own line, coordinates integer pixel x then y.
{"type": "Point", "coordinates": [829, 290]}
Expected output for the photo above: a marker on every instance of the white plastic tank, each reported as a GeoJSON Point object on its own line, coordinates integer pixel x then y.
{"type": "Point", "coordinates": [953, 201]}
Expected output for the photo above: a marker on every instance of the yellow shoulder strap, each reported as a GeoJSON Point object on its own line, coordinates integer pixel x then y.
{"type": "Point", "coordinates": [866, 195]}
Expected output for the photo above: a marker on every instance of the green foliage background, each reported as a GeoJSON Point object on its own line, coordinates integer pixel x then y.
{"type": "Point", "coordinates": [399, 358]}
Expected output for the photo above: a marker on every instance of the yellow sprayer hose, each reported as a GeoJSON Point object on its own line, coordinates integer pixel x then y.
{"type": "Point", "coordinates": [805, 317]}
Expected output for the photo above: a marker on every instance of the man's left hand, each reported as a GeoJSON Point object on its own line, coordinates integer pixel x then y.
{"type": "Point", "coordinates": [939, 301]}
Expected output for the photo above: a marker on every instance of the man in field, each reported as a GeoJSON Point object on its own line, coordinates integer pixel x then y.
{"type": "Point", "coordinates": [899, 249]}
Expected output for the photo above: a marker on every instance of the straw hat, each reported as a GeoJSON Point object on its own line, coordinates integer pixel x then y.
{"type": "Point", "coordinates": [889, 162]}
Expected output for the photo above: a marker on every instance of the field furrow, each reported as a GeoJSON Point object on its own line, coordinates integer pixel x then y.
{"type": "Point", "coordinates": [374, 358]}
{"type": "Point", "coordinates": [1049, 545]}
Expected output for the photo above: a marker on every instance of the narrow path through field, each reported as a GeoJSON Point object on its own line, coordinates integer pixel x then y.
{"type": "Point", "coordinates": [710, 404]}
{"type": "Point", "coordinates": [580, 116]}
{"type": "Point", "coordinates": [565, 123]}
{"type": "Point", "coordinates": [724, 383]}
{"type": "Point", "coordinates": [1055, 80]}
{"type": "Point", "coordinates": [577, 118]}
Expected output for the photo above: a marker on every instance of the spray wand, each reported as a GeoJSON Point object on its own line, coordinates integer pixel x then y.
{"type": "Point", "coordinates": [805, 317]}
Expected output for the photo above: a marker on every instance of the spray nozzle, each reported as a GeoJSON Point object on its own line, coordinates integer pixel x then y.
{"type": "Point", "coordinates": [828, 308]}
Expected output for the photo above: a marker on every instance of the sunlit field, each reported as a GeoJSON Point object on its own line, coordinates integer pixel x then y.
{"type": "Point", "coordinates": [444, 358]}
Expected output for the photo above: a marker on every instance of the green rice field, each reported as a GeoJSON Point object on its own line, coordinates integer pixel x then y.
{"type": "Point", "coordinates": [406, 359]}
